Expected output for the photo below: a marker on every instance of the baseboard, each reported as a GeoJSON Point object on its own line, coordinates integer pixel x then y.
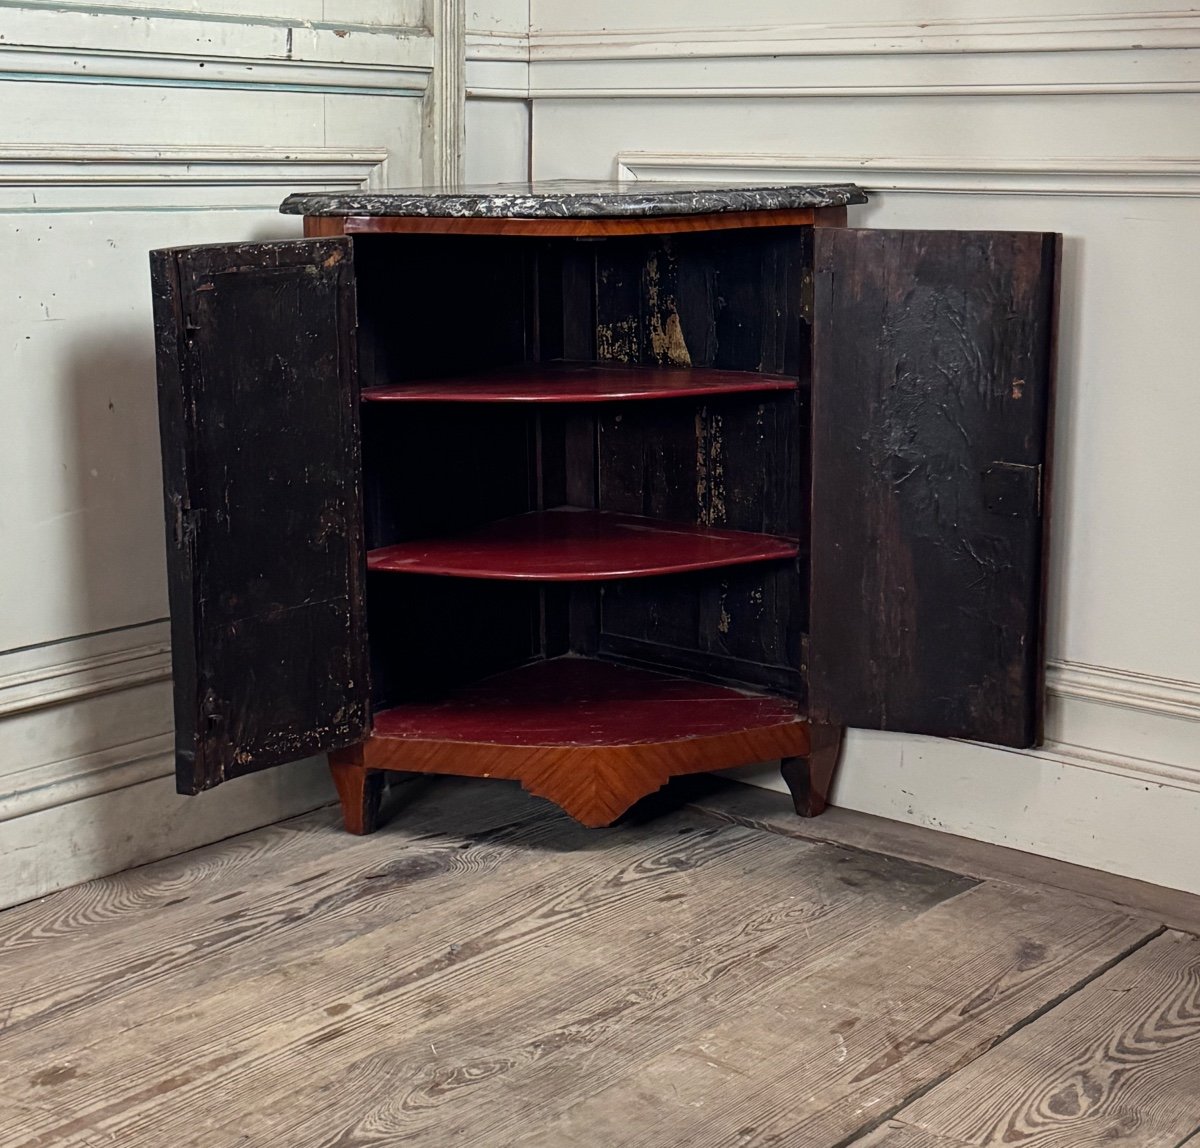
{"type": "Point", "coordinates": [87, 783]}
{"type": "Point", "coordinates": [108, 832]}
{"type": "Point", "coordinates": [1046, 802]}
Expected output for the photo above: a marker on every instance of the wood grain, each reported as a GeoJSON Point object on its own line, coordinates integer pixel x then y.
{"type": "Point", "coordinates": [268, 883]}
{"type": "Point", "coordinates": [262, 481]}
{"type": "Point", "coordinates": [1116, 1064]}
{"type": "Point", "coordinates": [572, 930]}
{"type": "Point", "coordinates": [848, 1044]}
{"type": "Point", "coordinates": [677, 981]}
{"type": "Point", "coordinates": [932, 371]}
{"type": "Point", "coordinates": [348, 993]}
{"type": "Point", "coordinates": [722, 961]}
{"type": "Point", "coordinates": [645, 225]}
{"type": "Point", "coordinates": [51, 924]}
{"type": "Point", "coordinates": [765, 809]}
{"type": "Point", "coordinates": [896, 1134]}
{"type": "Point", "coordinates": [594, 784]}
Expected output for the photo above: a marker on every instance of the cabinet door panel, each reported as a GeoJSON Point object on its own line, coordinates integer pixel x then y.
{"type": "Point", "coordinates": [932, 375]}
{"type": "Point", "coordinates": [258, 405]}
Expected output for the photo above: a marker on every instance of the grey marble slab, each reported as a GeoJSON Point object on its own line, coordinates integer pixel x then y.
{"type": "Point", "coordinates": [571, 199]}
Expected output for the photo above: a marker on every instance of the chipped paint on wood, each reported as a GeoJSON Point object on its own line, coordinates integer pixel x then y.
{"type": "Point", "coordinates": [927, 614]}
{"type": "Point", "coordinates": [667, 346]}
{"type": "Point", "coordinates": [259, 420]}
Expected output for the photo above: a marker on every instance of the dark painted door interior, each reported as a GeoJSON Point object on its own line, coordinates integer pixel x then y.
{"type": "Point", "coordinates": [931, 389]}
{"type": "Point", "coordinates": [259, 419]}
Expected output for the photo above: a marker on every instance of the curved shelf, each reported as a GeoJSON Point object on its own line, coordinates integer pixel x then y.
{"type": "Point", "coordinates": [591, 736]}
{"type": "Point", "coordinates": [583, 702]}
{"type": "Point", "coordinates": [572, 545]}
{"type": "Point", "coordinates": [579, 383]}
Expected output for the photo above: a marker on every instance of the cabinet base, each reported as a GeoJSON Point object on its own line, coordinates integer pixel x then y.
{"type": "Point", "coordinates": [811, 778]}
{"type": "Point", "coordinates": [359, 789]}
{"type": "Point", "coordinates": [595, 789]}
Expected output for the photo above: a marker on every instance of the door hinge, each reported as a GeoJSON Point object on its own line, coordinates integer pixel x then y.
{"type": "Point", "coordinates": [1013, 489]}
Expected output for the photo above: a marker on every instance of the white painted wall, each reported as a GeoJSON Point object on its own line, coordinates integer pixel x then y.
{"type": "Point", "coordinates": [1078, 117]}
{"type": "Point", "coordinates": [497, 88]}
{"type": "Point", "coordinates": [127, 126]}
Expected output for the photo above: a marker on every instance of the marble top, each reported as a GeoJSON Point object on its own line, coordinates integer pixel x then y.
{"type": "Point", "coordinates": [571, 199]}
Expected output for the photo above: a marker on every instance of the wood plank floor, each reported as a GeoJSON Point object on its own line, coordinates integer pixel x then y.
{"type": "Point", "coordinates": [482, 971]}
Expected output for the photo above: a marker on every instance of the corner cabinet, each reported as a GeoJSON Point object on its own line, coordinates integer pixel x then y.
{"type": "Point", "coordinates": [590, 486]}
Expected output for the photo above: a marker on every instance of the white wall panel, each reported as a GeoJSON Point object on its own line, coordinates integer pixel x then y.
{"type": "Point", "coordinates": [127, 127]}
{"type": "Point", "coordinates": [371, 14]}
{"type": "Point", "coordinates": [1084, 120]}
{"type": "Point", "coordinates": [497, 83]}
{"type": "Point", "coordinates": [497, 141]}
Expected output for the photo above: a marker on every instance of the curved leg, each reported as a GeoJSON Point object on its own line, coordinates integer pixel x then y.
{"type": "Point", "coordinates": [811, 778]}
{"type": "Point", "coordinates": [359, 789]}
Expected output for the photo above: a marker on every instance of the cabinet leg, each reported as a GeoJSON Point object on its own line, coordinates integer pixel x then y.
{"type": "Point", "coordinates": [359, 789]}
{"type": "Point", "coordinates": [811, 778]}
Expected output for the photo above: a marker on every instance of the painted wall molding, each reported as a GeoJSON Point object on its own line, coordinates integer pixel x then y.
{"type": "Point", "coordinates": [68, 672]}
{"type": "Point", "coordinates": [1084, 32]}
{"type": "Point", "coordinates": [1144, 771]}
{"type": "Point", "coordinates": [78, 680]}
{"type": "Point", "coordinates": [449, 92]}
{"type": "Point", "coordinates": [1106, 685]}
{"type": "Point", "coordinates": [84, 165]}
{"type": "Point", "coordinates": [620, 88]}
{"type": "Point", "coordinates": [214, 12]}
{"type": "Point", "coordinates": [79, 177]}
{"type": "Point", "coordinates": [178, 50]}
{"type": "Point", "coordinates": [89, 775]}
{"type": "Point", "coordinates": [497, 64]}
{"type": "Point", "coordinates": [1129, 53]}
{"type": "Point", "coordinates": [497, 44]}
{"type": "Point", "coordinates": [981, 175]}
{"type": "Point", "coordinates": [103, 67]}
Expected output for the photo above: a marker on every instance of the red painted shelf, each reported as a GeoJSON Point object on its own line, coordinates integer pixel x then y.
{"type": "Point", "coordinates": [563, 382]}
{"type": "Point", "coordinates": [572, 545]}
{"type": "Point", "coordinates": [583, 702]}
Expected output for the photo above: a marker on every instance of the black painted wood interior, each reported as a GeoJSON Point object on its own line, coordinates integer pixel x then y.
{"type": "Point", "coordinates": [259, 418]}
{"type": "Point", "coordinates": [728, 300]}
{"type": "Point", "coordinates": [931, 387]}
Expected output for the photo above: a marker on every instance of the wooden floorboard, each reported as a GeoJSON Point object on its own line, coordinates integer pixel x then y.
{"type": "Point", "coordinates": [772, 811]}
{"type": "Point", "coordinates": [725, 937]}
{"type": "Point", "coordinates": [484, 971]}
{"type": "Point", "coordinates": [1117, 1064]}
{"type": "Point", "coordinates": [839, 1049]}
{"type": "Point", "coordinates": [257, 899]}
{"type": "Point", "coordinates": [896, 1134]}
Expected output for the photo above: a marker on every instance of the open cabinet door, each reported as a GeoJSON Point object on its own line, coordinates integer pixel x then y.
{"type": "Point", "coordinates": [258, 407]}
{"type": "Point", "coordinates": [932, 366]}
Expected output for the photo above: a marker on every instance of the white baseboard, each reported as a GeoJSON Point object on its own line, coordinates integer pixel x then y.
{"type": "Point", "coordinates": [108, 832]}
{"type": "Point", "coordinates": [87, 783]}
{"type": "Point", "coordinates": [1110, 821]}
